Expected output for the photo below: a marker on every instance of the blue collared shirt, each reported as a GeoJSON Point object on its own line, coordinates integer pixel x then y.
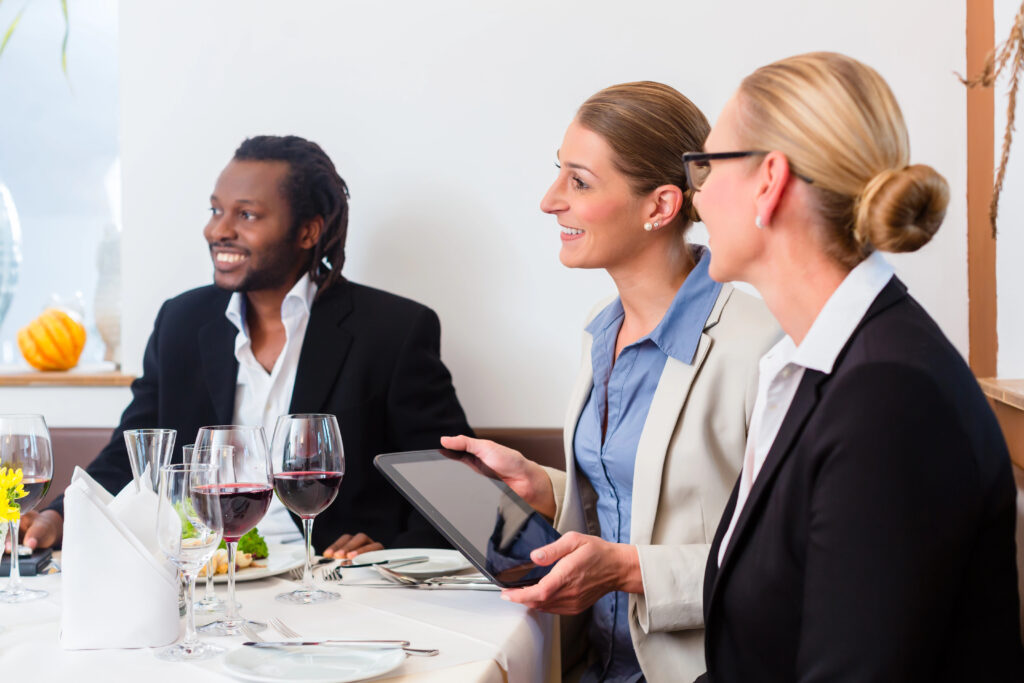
{"type": "Point", "coordinates": [629, 383]}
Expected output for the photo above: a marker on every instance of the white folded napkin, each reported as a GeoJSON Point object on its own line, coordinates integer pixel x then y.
{"type": "Point", "coordinates": [118, 590]}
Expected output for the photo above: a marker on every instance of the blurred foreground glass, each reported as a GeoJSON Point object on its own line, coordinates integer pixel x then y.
{"type": "Point", "coordinates": [25, 445]}
{"type": "Point", "coordinates": [313, 464]}
{"type": "Point", "coordinates": [148, 451]}
{"type": "Point", "coordinates": [189, 527]}
{"type": "Point", "coordinates": [209, 603]}
{"type": "Point", "coordinates": [246, 480]}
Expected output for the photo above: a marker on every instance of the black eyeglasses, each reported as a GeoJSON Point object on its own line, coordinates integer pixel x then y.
{"type": "Point", "coordinates": [698, 165]}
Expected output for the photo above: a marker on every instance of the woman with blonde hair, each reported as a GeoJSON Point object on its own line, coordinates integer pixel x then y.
{"type": "Point", "coordinates": [656, 424]}
{"type": "Point", "coordinates": [871, 533]}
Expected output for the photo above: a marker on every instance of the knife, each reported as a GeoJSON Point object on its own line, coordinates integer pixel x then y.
{"type": "Point", "coordinates": [327, 643]}
{"type": "Point", "coordinates": [397, 562]}
{"type": "Point", "coordinates": [388, 644]}
{"type": "Point", "coordinates": [429, 586]}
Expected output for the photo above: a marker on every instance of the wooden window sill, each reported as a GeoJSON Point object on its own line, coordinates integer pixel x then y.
{"type": "Point", "coordinates": [72, 378]}
{"type": "Point", "coordinates": [1007, 399]}
{"type": "Point", "coordinates": [1007, 391]}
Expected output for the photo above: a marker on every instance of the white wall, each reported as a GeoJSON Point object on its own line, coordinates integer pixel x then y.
{"type": "Point", "coordinates": [444, 118]}
{"type": "Point", "coordinates": [1010, 240]}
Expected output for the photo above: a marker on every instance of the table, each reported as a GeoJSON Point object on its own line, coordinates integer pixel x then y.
{"type": "Point", "coordinates": [481, 637]}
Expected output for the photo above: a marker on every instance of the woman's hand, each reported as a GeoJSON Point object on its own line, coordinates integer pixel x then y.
{"type": "Point", "coordinates": [588, 567]}
{"type": "Point", "coordinates": [350, 545]}
{"type": "Point", "coordinates": [525, 477]}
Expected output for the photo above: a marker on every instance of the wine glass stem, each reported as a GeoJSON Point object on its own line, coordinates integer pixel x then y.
{"type": "Point", "coordinates": [191, 638]}
{"type": "Point", "coordinates": [230, 610]}
{"type": "Point", "coordinates": [211, 595]}
{"type": "Point", "coordinates": [307, 573]}
{"type": "Point", "coordinates": [14, 585]}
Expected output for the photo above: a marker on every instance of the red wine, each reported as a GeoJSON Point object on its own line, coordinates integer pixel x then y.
{"type": "Point", "coordinates": [242, 506]}
{"type": "Point", "coordinates": [36, 488]}
{"type": "Point", "coordinates": [307, 494]}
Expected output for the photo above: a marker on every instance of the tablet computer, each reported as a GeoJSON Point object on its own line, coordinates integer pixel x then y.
{"type": "Point", "coordinates": [477, 512]}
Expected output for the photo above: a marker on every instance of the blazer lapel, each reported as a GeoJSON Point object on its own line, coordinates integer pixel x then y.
{"type": "Point", "coordinates": [659, 427]}
{"type": "Point", "coordinates": [652, 449]}
{"type": "Point", "coordinates": [220, 367]}
{"type": "Point", "coordinates": [804, 401]}
{"type": "Point", "coordinates": [324, 349]}
{"type": "Point", "coordinates": [570, 515]}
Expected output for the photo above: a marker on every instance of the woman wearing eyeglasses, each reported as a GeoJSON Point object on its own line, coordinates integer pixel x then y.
{"type": "Point", "coordinates": [656, 425]}
{"type": "Point", "coordinates": [871, 533]}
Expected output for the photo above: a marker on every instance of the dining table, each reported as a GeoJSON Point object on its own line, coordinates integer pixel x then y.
{"type": "Point", "coordinates": [479, 636]}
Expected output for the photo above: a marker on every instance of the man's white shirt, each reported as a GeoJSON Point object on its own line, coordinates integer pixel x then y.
{"type": "Point", "coordinates": [261, 397]}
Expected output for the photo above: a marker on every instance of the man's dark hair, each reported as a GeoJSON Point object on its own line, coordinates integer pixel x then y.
{"type": "Point", "coordinates": [312, 188]}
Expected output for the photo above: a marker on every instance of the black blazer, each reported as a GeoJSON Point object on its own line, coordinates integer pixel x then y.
{"type": "Point", "coordinates": [877, 543]}
{"type": "Point", "coordinates": [369, 357]}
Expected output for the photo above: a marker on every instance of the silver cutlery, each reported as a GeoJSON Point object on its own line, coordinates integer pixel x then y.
{"type": "Point", "coordinates": [284, 629]}
{"type": "Point", "coordinates": [285, 644]}
{"type": "Point", "coordinates": [397, 562]}
{"type": "Point", "coordinates": [334, 573]}
{"type": "Point", "coordinates": [250, 634]}
{"type": "Point", "coordinates": [289, 632]}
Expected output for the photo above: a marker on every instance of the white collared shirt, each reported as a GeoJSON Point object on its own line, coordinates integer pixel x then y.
{"type": "Point", "coordinates": [260, 397]}
{"type": "Point", "coordinates": [781, 369]}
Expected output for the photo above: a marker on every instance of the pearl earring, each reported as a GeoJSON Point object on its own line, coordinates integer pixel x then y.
{"type": "Point", "coordinates": [656, 225]}
{"type": "Point", "coordinates": [648, 227]}
{"type": "Point", "coordinates": [758, 223]}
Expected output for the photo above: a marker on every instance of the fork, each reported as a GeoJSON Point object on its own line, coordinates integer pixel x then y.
{"type": "Point", "coordinates": [283, 628]}
{"type": "Point", "coordinates": [252, 635]}
{"type": "Point", "coordinates": [289, 632]}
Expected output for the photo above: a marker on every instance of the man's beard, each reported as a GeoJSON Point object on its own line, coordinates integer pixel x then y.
{"type": "Point", "coordinates": [275, 268]}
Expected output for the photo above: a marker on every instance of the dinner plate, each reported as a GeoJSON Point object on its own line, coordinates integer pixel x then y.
{"type": "Point", "coordinates": [441, 561]}
{"type": "Point", "coordinates": [312, 664]}
{"type": "Point", "coordinates": [280, 558]}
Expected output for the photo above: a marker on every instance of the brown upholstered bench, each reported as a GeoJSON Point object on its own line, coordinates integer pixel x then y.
{"type": "Point", "coordinates": [79, 445]}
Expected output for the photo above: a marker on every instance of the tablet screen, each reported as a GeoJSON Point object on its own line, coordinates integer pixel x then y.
{"type": "Point", "coordinates": [492, 526]}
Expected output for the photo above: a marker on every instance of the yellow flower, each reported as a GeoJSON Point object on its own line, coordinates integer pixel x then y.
{"type": "Point", "coordinates": [11, 489]}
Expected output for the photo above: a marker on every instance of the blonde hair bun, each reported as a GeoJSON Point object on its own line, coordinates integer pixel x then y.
{"type": "Point", "coordinates": [901, 209]}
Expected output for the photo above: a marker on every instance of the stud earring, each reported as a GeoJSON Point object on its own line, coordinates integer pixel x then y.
{"type": "Point", "coordinates": [656, 225]}
{"type": "Point", "coordinates": [758, 223]}
{"type": "Point", "coordinates": [648, 227]}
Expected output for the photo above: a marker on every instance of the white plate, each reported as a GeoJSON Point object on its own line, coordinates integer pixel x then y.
{"type": "Point", "coordinates": [312, 664]}
{"type": "Point", "coordinates": [280, 558]}
{"type": "Point", "coordinates": [441, 562]}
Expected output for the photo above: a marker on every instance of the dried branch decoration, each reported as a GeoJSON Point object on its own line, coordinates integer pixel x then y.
{"type": "Point", "coordinates": [1009, 53]}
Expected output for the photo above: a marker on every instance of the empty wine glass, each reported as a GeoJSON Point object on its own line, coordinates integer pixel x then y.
{"type": "Point", "coordinates": [148, 451]}
{"type": "Point", "coordinates": [189, 528]}
{"type": "Point", "coordinates": [244, 490]}
{"type": "Point", "coordinates": [312, 466]}
{"type": "Point", "coordinates": [25, 445]}
{"type": "Point", "coordinates": [209, 603]}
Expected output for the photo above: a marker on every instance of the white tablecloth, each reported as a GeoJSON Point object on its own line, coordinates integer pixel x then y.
{"type": "Point", "coordinates": [480, 636]}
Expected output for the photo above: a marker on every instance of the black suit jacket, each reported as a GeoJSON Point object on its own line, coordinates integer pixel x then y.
{"type": "Point", "coordinates": [877, 543]}
{"type": "Point", "coordinates": [369, 357]}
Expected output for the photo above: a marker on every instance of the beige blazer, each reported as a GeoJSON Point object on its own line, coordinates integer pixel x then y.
{"type": "Point", "coordinates": [688, 458]}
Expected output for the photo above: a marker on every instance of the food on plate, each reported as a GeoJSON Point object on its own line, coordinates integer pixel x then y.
{"type": "Point", "coordinates": [251, 547]}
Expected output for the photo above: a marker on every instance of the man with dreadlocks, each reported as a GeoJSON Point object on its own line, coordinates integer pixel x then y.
{"type": "Point", "coordinates": [282, 331]}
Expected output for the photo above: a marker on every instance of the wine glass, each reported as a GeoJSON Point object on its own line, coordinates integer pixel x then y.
{"type": "Point", "coordinates": [312, 466]}
{"type": "Point", "coordinates": [25, 445]}
{"type": "Point", "coordinates": [209, 603]}
{"type": "Point", "coordinates": [189, 527]}
{"type": "Point", "coordinates": [244, 490]}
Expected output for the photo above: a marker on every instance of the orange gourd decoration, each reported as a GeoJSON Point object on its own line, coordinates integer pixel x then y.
{"type": "Point", "coordinates": [53, 341]}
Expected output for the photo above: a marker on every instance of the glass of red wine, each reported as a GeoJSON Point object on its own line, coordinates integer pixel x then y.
{"type": "Point", "coordinates": [312, 466]}
{"type": "Point", "coordinates": [244, 490]}
{"type": "Point", "coordinates": [25, 446]}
